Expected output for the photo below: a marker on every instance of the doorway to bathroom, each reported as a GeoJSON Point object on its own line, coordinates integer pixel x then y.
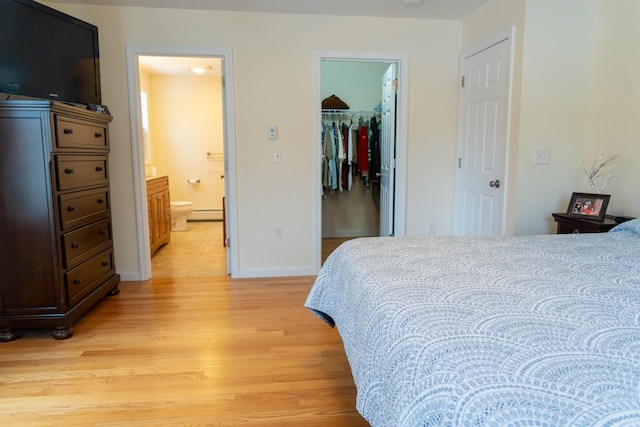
{"type": "Point", "coordinates": [180, 97]}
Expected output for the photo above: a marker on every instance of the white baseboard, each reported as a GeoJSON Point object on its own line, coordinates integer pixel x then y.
{"type": "Point", "coordinates": [251, 273]}
{"type": "Point", "coordinates": [350, 233]}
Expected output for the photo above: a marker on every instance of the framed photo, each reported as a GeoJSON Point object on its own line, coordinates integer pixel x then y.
{"type": "Point", "coordinates": [588, 206]}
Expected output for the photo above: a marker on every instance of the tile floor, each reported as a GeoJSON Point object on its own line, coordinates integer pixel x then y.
{"type": "Point", "coordinates": [196, 252]}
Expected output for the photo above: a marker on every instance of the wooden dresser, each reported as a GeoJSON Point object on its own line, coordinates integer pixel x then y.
{"type": "Point", "coordinates": [56, 251]}
{"type": "Point", "coordinates": [159, 205]}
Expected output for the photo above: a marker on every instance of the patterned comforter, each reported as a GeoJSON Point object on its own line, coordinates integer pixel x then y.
{"type": "Point", "coordinates": [532, 330]}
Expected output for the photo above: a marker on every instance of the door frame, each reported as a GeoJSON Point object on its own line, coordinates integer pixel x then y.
{"type": "Point", "coordinates": [400, 191]}
{"type": "Point", "coordinates": [509, 36]}
{"type": "Point", "coordinates": [139, 179]}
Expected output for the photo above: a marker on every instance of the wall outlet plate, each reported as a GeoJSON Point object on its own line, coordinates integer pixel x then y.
{"type": "Point", "coordinates": [277, 156]}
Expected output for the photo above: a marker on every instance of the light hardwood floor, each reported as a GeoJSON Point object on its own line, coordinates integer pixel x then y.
{"type": "Point", "coordinates": [184, 351]}
{"type": "Point", "coordinates": [189, 347]}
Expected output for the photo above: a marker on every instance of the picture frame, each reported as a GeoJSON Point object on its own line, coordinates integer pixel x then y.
{"type": "Point", "coordinates": [588, 206]}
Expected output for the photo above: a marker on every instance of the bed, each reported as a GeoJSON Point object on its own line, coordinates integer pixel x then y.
{"type": "Point", "coordinates": [468, 331]}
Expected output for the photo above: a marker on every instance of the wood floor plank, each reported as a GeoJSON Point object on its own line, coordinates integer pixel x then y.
{"type": "Point", "coordinates": [179, 352]}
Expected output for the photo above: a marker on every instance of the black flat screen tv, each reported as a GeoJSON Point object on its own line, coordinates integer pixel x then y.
{"type": "Point", "coordinates": [47, 54]}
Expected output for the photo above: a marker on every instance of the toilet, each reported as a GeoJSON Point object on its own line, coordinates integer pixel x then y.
{"type": "Point", "coordinates": [180, 211]}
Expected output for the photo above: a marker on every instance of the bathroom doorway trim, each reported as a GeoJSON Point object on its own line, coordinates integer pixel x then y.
{"type": "Point", "coordinates": [134, 51]}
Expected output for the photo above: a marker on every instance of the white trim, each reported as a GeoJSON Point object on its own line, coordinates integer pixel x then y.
{"type": "Point", "coordinates": [252, 273]}
{"type": "Point", "coordinates": [509, 36]}
{"type": "Point", "coordinates": [140, 199]}
{"type": "Point", "coordinates": [402, 59]}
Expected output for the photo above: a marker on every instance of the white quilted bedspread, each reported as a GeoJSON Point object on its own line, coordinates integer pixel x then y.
{"type": "Point", "coordinates": [518, 331]}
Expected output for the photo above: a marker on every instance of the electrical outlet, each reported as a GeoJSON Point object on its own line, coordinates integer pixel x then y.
{"type": "Point", "coordinates": [277, 156]}
{"type": "Point", "coordinates": [277, 231]}
{"type": "Point", "coordinates": [432, 228]}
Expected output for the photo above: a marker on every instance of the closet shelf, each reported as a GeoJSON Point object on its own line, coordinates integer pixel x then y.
{"type": "Point", "coordinates": [350, 112]}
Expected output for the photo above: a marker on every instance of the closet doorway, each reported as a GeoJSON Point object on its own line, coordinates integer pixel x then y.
{"type": "Point", "coordinates": [362, 131]}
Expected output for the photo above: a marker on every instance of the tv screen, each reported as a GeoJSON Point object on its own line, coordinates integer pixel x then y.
{"type": "Point", "coordinates": [47, 54]}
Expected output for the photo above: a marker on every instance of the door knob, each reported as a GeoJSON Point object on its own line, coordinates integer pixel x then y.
{"type": "Point", "coordinates": [495, 184]}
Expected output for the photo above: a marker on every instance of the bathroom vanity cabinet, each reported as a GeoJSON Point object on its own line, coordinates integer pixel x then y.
{"type": "Point", "coordinates": [56, 250]}
{"type": "Point", "coordinates": [159, 206]}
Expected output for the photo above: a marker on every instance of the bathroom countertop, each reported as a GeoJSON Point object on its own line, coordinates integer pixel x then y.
{"type": "Point", "coordinates": [149, 178]}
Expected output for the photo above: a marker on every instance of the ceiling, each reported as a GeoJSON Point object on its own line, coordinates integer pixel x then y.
{"type": "Point", "coordinates": [417, 9]}
{"type": "Point", "coordinates": [179, 65]}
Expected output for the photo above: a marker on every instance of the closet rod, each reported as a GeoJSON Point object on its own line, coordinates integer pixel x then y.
{"type": "Point", "coordinates": [350, 112]}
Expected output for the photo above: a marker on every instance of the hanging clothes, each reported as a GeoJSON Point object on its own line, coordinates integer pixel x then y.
{"type": "Point", "coordinates": [340, 157]}
{"type": "Point", "coordinates": [329, 157]}
{"type": "Point", "coordinates": [350, 157]}
{"type": "Point", "coordinates": [374, 148]}
{"type": "Point", "coordinates": [363, 149]}
{"type": "Point", "coordinates": [346, 148]}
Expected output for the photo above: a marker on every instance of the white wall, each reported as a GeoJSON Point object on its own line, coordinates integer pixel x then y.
{"type": "Point", "coordinates": [274, 80]}
{"type": "Point", "coordinates": [358, 83]}
{"type": "Point", "coordinates": [614, 122]}
{"type": "Point", "coordinates": [186, 123]}
{"type": "Point", "coordinates": [556, 93]}
{"type": "Point", "coordinates": [552, 74]}
{"type": "Point", "coordinates": [575, 91]}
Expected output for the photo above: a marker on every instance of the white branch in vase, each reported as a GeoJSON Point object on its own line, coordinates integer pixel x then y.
{"type": "Point", "coordinates": [598, 175]}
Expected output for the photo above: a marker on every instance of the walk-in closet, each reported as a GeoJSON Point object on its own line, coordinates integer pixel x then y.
{"type": "Point", "coordinates": [351, 120]}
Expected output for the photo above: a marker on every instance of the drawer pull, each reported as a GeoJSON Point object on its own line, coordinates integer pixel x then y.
{"type": "Point", "coordinates": [98, 135]}
{"type": "Point", "coordinates": [100, 201]}
{"type": "Point", "coordinates": [77, 281]}
{"type": "Point", "coordinates": [71, 208]}
{"type": "Point", "coordinates": [68, 171]}
{"type": "Point", "coordinates": [99, 169]}
{"type": "Point", "coordinates": [105, 264]}
{"type": "Point", "coordinates": [103, 232]}
{"type": "Point", "coordinates": [75, 245]}
{"type": "Point", "coordinates": [68, 131]}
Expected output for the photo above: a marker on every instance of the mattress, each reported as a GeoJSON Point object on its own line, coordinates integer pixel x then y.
{"type": "Point", "coordinates": [457, 331]}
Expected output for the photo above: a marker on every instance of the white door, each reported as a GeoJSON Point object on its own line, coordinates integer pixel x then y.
{"type": "Point", "coordinates": [482, 142]}
{"type": "Point", "coordinates": [387, 151]}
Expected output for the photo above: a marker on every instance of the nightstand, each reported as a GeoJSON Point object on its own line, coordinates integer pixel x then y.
{"type": "Point", "coordinates": [568, 224]}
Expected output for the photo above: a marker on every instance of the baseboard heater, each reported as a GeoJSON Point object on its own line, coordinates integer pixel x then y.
{"type": "Point", "coordinates": [206, 215]}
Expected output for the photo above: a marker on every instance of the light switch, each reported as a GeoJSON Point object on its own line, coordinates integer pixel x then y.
{"type": "Point", "coordinates": [272, 132]}
{"type": "Point", "coordinates": [541, 156]}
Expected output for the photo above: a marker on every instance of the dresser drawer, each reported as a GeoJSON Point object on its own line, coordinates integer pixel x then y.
{"type": "Point", "coordinates": [81, 244]}
{"type": "Point", "coordinates": [571, 225]}
{"type": "Point", "coordinates": [83, 207]}
{"type": "Point", "coordinates": [82, 280]}
{"type": "Point", "coordinates": [80, 171]}
{"type": "Point", "coordinates": [73, 133]}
